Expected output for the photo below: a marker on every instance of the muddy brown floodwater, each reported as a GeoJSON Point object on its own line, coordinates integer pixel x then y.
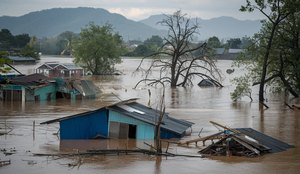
{"type": "Point", "coordinates": [199, 105]}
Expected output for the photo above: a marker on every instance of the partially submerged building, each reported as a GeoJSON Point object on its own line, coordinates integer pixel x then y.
{"type": "Point", "coordinates": [243, 142]}
{"type": "Point", "coordinates": [209, 83]}
{"type": "Point", "coordinates": [37, 87]}
{"type": "Point", "coordinates": [76, 89]}
{"type": "Point", "coordinates": [227, 54]}
{"type": "Point", "coordinates": [32, 87]}
{"type": "Point", "coordinates": [127, 119]}
{"type": "Point", "coordinates": [63, 70]}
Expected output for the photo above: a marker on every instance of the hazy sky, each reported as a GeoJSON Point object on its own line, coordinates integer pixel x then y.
{"type": "Point", "coordinates": [135, 9]}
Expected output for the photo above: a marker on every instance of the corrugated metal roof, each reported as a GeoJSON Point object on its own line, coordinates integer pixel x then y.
{"type": "Point", "coordinates": [71, 66]}
{"type": "Point", "coordinates": [21, 59]}
{"type": "Point", "coordinates": [219, 50]}
{"type": "Point", "coordinates": [232, 50]}
{"type": "Point", "coordinates": [53, 65]}
{"type": "Point", "coordinates": [86, 88]}
{"type": "Point", "coordinates": [32, 79]}
{"type": "Point", "coordinates": [151, 116]}
{"type": "Point", "coordinates": [274, 144]}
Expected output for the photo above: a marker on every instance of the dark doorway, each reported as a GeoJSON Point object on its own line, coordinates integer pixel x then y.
{"type": "Point", "coordinates": [122, 130]}
{"type": "Point", "coordinates": [132, 131]}
{"type": "Point", "coordinates": [37, 98]}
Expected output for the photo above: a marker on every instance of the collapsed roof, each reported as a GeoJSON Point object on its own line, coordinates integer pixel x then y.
{"type": "Point", "coordinates": [244, 142]}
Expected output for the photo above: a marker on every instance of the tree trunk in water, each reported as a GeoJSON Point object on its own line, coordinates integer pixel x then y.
{"type": "Point", "coordinates": [173, 79]}
{"type": "Point", "coordinates": [157, 139]}
{"type": "Point", "coordinates": [265, 64]}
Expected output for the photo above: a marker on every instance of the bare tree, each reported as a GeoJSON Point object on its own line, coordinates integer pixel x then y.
{"type": "Point", "coordinates": [179, 61]}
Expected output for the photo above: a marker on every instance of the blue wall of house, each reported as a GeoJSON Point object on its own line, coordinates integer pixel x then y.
{"type": "Point", "coordinates": [85, 127]}
{"type": "Point", "coordinates": [143, 130]}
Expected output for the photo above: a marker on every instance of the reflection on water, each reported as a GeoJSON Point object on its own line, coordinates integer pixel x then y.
{"type": "Point", "coordinates": [199, 105]}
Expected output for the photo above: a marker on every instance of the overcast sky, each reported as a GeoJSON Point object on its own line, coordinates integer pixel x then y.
{"type": "Point", "coordinates": [135, 9]}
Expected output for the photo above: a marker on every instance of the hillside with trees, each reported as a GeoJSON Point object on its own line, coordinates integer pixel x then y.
{"type": "Point", "coordinates": [20, 45]}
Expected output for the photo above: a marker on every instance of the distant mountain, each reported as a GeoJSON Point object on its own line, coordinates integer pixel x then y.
{"type": "Point", "coordinates": [51, 22]}
{"type": "Point", "coordinates": [222, 27]}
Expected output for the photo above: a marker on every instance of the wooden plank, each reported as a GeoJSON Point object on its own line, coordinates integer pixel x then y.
{"type": "Point", "coordinates": [225, 127]}
{"type": "Point", "coordinates": [210, 137]}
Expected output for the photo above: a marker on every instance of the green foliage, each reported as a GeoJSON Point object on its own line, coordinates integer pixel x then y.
{"type": "Point", "coordinates": [64, 42]}
{"type": "Point", "coordinates": [234, 43]}
{"type": "Point", "coordinates": [29, 51]}
{"type": "Point", "coordinates": [10, 42]}
{"type": "Point", "coordinates": [6, 39]}
{"type": "Point", "coordinates": [246, 42]}
{"type": "Point", "coordinates": [148, 47]}
{"type": "Point", "coordinates": [20, 41]}
{"type": "Point", "coordinates": [213, 42]}
{"type": "Point", "coordinates": [272, 57]}
{"type": "Point", "coordinates": [4, 59]}
{"type": "Point", "coordinates": [21, 45]}
{"type": "Point", "coordinates": [154, 41]}
{"type": "Point", "coordinates": [98, 49]}
{"type": "Point", "coordinates": [141, 50]}
{"type": "Point", "coordinates": [242, 88]}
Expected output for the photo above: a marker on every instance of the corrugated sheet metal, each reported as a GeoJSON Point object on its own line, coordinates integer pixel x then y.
{"type": "Point", "coordinates": [151, 116]}
{"type": "Point", "coordinates": [21, 59]}
{"type": "Point", "coordinates": [274, 144]}
{"type": "Point", "coordinates": [88, 87]}
{"type": "Point", "coordinates": [32, 79]}
{"type": "Point", "coordinates": [71, 66]}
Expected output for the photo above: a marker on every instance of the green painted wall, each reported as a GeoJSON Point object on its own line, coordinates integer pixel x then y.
{"type": "Point", "coordinates": [45, 91]}
{"type": "Point", "coordinates": [12, 87]}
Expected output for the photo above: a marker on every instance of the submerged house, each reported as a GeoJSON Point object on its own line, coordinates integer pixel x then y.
{"type": "Point", "coordinates": [76, 89]}
{"type": "Point", "coordinates": [127, 119]}
{"type": "Point", "coordinates": [63, 70]}
{"type": "Point", "coordinates": [32, 87]}
{"type": "Point", "coordinates": [227, 54]}
{"type": "Point", "coordinates": [209, 83]}
{"type": "Point", "coordinates": [244, 142]}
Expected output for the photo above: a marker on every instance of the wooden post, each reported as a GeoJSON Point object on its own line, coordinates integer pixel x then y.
{"type": "Point", "coordinates": [33, 125]}
{"type": "Point", "coordinates": [33, 129]}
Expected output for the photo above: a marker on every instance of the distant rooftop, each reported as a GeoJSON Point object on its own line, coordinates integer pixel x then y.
{"type": "Point", "coordinates": [21, 59]}
{"type": "Point", "coordinates": [219, 50]}
{"type": "Point", "coordinates": [53, 65]}
{"type": "Point", "coordinates": [231, 50]}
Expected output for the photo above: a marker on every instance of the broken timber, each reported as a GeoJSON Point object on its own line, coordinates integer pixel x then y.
{"type": "Point", "coordinates": [115, 152]}
{"type": "Point", "coordinates": [4, 163]}
{"type": "Point", "coordinates": [243, 142]}
{"type": "Point", "coordinates": [204, 139]}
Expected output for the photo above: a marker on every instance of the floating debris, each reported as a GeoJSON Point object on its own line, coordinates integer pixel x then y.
{"type": "Point", "coordinates": [4, 162]}
{"type": "Point", "coordinates": [240, 142]}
